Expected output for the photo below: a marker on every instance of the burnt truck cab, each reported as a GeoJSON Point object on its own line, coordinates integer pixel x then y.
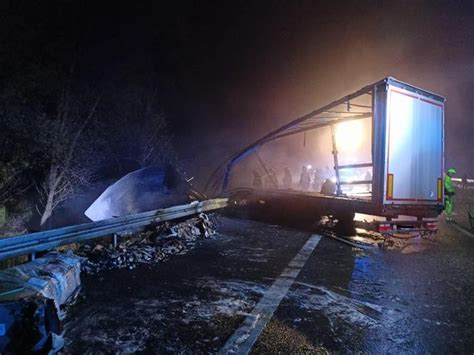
{"type": "Point", "coordinates": [395, 169]}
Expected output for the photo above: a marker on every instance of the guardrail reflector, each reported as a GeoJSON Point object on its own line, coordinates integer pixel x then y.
{"type": "Point", "coordinates": [440, 189]}
{"type": "Point", "coordinates": [389, 186]}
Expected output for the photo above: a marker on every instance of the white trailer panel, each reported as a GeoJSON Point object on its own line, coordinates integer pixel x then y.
{"type": "Point", "coordinates": [414, 148]}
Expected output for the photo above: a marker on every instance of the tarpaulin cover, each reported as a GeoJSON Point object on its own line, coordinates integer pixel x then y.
{"type": "Point", "coordinates": [55, 276]}
{"type": "Point", "coordinates": [30, 296]}
{"type": "Point", "coordinates": [140, 191]}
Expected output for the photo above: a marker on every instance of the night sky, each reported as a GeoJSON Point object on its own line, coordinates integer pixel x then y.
{"type": "Point", "coordinates": [227, 72]}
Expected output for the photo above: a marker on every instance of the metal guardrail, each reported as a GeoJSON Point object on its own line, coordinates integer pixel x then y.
{"type": "Point", "coordinates": [42, 241]}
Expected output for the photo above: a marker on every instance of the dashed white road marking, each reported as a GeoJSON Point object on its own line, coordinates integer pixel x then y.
{"type": "Point", "coordinates": [243, 339]}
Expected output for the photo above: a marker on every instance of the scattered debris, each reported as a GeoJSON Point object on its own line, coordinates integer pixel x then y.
{"type": "Point", "coordinates": [363, 234]}
{"type": "Point", "coordinates": [149, 247]}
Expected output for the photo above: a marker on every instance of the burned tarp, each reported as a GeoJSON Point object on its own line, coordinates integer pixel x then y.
{"type": "Point", "coordinates": [30, 298]}
{"type": "Point", "coordinates": [139, 191]}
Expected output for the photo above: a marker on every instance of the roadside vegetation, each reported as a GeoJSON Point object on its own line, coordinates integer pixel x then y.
{"type": "Point", "coordinates": [66, 125]}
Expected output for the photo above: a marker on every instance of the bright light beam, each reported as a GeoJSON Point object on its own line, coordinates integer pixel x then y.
{"type": "Point", "coordinates": [349, 135]}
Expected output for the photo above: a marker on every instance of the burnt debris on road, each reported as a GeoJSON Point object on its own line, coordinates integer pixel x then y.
{"type": "Point", "coordinates": [149, 247]}
{"type": "Point", "coordinates": [343, 300]}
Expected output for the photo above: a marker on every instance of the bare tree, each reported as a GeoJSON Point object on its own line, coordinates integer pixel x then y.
{"type": "Point", "coordinates": [68, 149]}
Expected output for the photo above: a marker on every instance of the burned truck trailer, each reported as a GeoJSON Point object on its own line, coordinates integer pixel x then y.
{"type": "Point", "coordinates": [400, 173]}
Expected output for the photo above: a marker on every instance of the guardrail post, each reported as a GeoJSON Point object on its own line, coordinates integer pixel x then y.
{"type": "Point", "coordinates": [115, 240]}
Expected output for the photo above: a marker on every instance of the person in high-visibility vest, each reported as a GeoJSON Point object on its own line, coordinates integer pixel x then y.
{"type": "Point", "coordinates": [449, 194]}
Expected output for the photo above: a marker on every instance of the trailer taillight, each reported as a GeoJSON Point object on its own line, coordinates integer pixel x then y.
{"type": "Point", "coordinates": [431, 226]}
{"type": "Point", "coordinates": [389, 186]}
{"type": "Point", "coordinates": [384, 227]}
{"type": "Point", "coordinates": [440, 189]}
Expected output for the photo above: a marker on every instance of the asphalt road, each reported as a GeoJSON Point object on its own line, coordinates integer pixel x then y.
{"type": "Point", "coordinates": [326, 295]}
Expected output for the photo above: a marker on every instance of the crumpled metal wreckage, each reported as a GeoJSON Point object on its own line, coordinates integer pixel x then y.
{"type": "Point", "coordinates": [30, 298]}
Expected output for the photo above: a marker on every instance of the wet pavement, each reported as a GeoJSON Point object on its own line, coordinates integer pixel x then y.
{"type": "Point", "coordinates": [344, 300]}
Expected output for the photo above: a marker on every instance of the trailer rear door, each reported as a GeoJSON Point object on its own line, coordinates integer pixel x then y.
{"type": "Point", "coordinates": [414, 148]}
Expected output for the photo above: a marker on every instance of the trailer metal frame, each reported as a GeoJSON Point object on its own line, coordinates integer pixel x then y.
{"type": "Point", "coordinates": [330, 115]}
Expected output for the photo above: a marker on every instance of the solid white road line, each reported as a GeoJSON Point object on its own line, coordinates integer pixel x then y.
{"type": "Point", "coordinates": [243, 339]}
